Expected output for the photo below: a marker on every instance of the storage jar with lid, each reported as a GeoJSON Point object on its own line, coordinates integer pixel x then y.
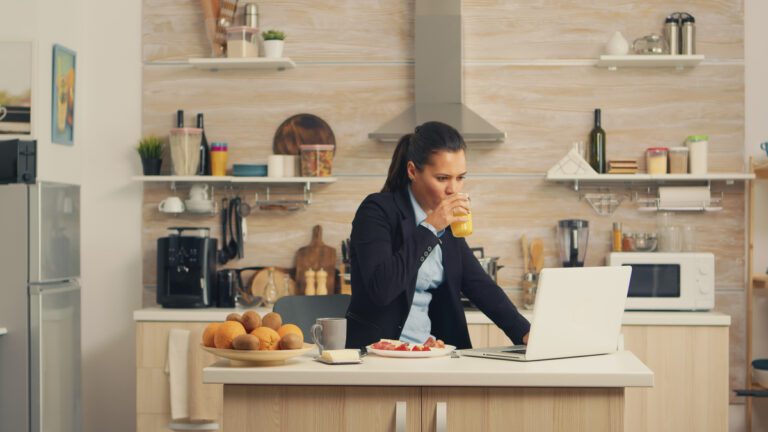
{"type": "Point", "coordinates": [656, 160]}
{"type": "Point", "coordinates": [678, 160]}
{"type": "Point", "coordinates": [242, 41]}
{"type": "Point", "coordinates": [316, 160]}
{"type": "Point", "coordinates": [697, 153]}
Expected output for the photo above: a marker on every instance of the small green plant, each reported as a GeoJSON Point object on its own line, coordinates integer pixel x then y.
{"type": "Point", "coordinates": [150, 147]}
{"type": "Point", "coordinates": [273, 35]}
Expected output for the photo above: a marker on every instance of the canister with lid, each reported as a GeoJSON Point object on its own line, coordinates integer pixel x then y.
{"type": "Point", "coordinates": [656, 160]}
{"type": "Point", "coordinates": [672, 33]}
{"type": "Point", "coordinates": [697, 153]}
{"type": "Point", "coordinates": [678, 160]}
{"type": "Point", "coordinates": [687, 34]}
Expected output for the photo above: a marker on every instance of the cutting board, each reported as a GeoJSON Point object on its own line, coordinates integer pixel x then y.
{"type": "Point", "coordinates": [314, 256]}
{"type": "Point", "coordinates": [301, 129]}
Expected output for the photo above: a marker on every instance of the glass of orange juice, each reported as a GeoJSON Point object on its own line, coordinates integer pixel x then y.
{"type": "Point", "coordinates": [462, 229]}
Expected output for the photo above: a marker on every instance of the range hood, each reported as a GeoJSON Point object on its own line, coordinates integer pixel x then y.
{"type": "Point", "coordinates": [439, 78]}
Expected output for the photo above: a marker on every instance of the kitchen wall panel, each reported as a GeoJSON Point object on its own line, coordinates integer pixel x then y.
{"type": "Point", "coordinates": [528, 70]}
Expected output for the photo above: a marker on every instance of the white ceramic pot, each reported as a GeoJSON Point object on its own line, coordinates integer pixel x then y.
{"type": "Point", "coordinates": [617, 45]}
{"type": "Point", "coordinates": [273, 48]}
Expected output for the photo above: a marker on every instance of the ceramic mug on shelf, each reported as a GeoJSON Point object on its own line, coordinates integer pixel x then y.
{"type": "Point", "coordinates": [198, 192]}
{"type": "Point", "coordinates": [171, 205]}
{"type": "Point", "coordinates": [329, 333]}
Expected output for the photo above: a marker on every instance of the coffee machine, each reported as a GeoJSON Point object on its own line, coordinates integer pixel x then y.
{"type": "Point", "coordinates": [573, 234]}
{"type": "Point", "coordinates": [186, 268]}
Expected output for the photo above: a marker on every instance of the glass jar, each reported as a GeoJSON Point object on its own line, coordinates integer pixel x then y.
{"type": "Point", "coordinates": [628, 242]}
{"type": "Point", "coordinates": [240, 42]}
{"type": "Point", "coordinates": [678, 160]}
{"type": "Point", "coordinates": [219, 152]}
{"type": "Point", "coordinates": [697, 158]}
{"type": "Point", "coordinates": [316, 160]}
{"type": "Point", "coordinates": [656, 160]}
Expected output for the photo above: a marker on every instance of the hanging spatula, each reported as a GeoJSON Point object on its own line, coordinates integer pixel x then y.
{"type": "Point", "coordinates": [537, 254]}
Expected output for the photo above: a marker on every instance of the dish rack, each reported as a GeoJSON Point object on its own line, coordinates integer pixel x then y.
{"type": "Point", "coordinates": [284, 202]}
{"type": "Point", "coordinates": [652, 204]}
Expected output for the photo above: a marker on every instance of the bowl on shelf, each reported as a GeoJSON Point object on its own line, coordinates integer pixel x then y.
{"type": "Point", "coordinates": [249, 170]}
{"type": "Point", "coordinates": [645, 242]}
{"type": "Point", "coordinates": [760, 372]}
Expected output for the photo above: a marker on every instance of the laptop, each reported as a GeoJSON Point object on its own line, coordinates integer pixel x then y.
{"type": "Point", "coordinates": [578, 312]}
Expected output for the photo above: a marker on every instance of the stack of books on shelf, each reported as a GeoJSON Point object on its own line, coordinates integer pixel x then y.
{"type": "Point", "coordinates": [622, 166]}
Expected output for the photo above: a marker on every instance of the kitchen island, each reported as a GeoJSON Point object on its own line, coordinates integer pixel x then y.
{"type": "Point", "coordinates": [577, 394]}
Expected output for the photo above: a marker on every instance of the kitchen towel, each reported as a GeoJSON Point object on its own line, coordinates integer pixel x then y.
{"type": "Point", "coordinates": [205, 400]}
{"type": "Point", "coordinates": [176, 366]}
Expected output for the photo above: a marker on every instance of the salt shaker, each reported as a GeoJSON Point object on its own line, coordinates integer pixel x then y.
{"type": "Point", "coordinates": [322, 278]}
{"type": "Point", "coordinates": [309, 282]}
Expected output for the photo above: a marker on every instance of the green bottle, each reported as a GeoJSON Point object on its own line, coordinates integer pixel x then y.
{"type": "Point", "coordinates": [597, 157]}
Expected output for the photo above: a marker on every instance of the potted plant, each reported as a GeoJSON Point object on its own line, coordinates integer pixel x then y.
{"type": "Point", "coordinates": [273, 43]}
{"type": "Point", "coordinates": [151, 152]}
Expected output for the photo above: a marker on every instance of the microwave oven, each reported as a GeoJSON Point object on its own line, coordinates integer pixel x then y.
{"type": "Point", "coordinates": [668, 280]}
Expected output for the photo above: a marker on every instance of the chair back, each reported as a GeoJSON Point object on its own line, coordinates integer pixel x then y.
{"type": "Point", "coordinates": [304, 310]}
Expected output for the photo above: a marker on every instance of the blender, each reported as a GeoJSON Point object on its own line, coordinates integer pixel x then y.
{"type": "Point", "coordinates": [573, 235]}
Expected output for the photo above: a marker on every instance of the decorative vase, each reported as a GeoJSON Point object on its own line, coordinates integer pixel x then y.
{"type": "Point", "coordinates": [273, 48]}
{"type": "Point", "coordinates": [151, 166]}
{"type": "Point", "coordinates": [617, 45]}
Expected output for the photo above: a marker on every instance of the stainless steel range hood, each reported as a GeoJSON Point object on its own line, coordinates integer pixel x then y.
{"type": "Point", "coordinates": [439, 78]}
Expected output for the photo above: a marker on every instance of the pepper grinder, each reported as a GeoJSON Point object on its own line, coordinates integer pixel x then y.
{"type": "Point", "coordinates": [309, 282]}
{"type": "Point", "coordinates": [322, 277]}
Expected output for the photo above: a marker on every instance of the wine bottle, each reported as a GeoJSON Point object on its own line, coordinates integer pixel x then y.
{"type": "Point", "coordinates": [205, 155]}
{"type": "Point", "coordinates": [180, 118]}
{"type": "Point", "coordinates": [597, 157]}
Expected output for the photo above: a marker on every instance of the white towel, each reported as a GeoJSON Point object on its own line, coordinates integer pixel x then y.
{"type": "Point", "coordinates": [684, 196]}
{"type": "Point", "coordinates": [178, 347]}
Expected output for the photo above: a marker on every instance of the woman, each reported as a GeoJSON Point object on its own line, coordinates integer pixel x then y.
{"type": "Point", "coordinates": [408, 270]}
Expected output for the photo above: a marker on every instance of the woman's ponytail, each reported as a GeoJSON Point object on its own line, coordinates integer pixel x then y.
{"type": "Point", "coordinates": [397, 177]}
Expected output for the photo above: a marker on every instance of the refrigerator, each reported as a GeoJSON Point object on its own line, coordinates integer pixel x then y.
{"type": "Point", "coordinates": [40, 353]}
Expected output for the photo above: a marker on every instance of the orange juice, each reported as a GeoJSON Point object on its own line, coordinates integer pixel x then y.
{"type": "Point", "coordinates": [462, 229]}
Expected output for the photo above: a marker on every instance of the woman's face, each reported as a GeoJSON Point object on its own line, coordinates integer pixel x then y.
{"type": "Point", "coordinates": [441, 177]}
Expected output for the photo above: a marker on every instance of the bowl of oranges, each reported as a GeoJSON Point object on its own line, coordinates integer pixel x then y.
{"type": "Point", "coordinates": [255, 340]}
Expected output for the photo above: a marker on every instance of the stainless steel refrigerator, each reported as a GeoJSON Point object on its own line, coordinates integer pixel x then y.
{"type": "Point", "coordinates": [40, 307]}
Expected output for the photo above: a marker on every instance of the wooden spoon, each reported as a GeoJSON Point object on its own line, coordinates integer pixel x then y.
{"type": "Point", "coordinates": [537, 254]}
{"type": "Point", "coordinates": [524, 242]}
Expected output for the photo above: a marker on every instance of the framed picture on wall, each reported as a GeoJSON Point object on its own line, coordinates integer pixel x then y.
{"type": "Point", "coordinates": [16, 89]}
{"type": "Point", "coordinates": [63, 104]}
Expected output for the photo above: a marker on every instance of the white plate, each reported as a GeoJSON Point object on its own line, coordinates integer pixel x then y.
{"type": "Point", "coordinates": [434, 352]}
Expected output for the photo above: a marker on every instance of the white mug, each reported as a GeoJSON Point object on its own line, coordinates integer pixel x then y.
{"type": "Point", "coordinates": [329, 333]}
{"type": "Point", "coordinates": [199, 192]}
{"type": "Point", "coordinates": [3, 112]}
{"type": "Point", "coordinates": [171, 205]}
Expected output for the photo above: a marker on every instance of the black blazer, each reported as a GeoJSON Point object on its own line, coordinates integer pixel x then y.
{"type": "Point", "coordinates": [386, 250]}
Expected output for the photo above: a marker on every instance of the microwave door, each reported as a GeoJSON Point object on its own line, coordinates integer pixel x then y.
{"type": "Point", "coordinates": [655, 286]}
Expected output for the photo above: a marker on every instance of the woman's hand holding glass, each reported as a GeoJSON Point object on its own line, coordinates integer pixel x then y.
{"type": "Point", "coordinates": [454, 208]}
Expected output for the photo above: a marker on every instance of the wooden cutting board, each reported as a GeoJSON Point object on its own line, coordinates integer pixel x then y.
{"type": "Point", "coordinates": [301, 129]}
{"type": "Point", "coordinates": [260, 279]}
{"type": "Point", "coordinates": [314, 256]}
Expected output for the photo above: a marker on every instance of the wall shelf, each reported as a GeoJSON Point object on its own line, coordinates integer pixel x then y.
{"type": "Point", "coordinates": [215, 64]}
{"type": "Point", "coordinates": [761, 171]}
{"type": "Point", "coordinates": [678, 62]}
{"type": "Point", "coordinates": [655, 179]}
{"type": "Point", "coordinates": [760, 281]}
{"type": "Point", "coordinates": [234, 179]}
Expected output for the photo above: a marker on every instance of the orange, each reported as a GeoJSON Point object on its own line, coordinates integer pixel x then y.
{"type": "Point", "coordinates": [226, 333]}
{"type": "Point", "coordinates": [268, 338]}
{"type": "Point", "coordinates": [290, 328]}
{"type": "Point", "coordinates": [209, 333]}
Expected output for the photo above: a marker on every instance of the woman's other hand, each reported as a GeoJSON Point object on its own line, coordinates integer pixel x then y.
{"type": "Point", "coordinates": [453, 208]}
{"type": "Point", "coordinates": [525, 339]}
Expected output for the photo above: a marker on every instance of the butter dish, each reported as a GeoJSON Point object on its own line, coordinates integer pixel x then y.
{"type": "Point", "coordinates": [342, 356]}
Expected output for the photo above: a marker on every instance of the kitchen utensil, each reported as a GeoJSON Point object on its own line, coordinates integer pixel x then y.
{"type": "Point", "coordinates": [573, 235]}
{"type": "Point", "coordinates": [279, 275]}
{"type": "Point", "coordinates": [644, 242]}
{"type": "Point", "coordinates": [210, 17]}
{"type": "Point", "coordinates": [489, 264]}
{"type": "Point", "coordinates": [537, 254]}
{"type": "Point", "coordinates": [760, 371]}
{"type": "Point", "coordinates": [617, 45]}
{"type": "Point", "coordinates": [651, 44]}
{"type": "Point", "coordinates": [185, 150]}
{"type": "Point", "coordinates": [237, 225]}
{"type": "Point", "coordinates": [524, 244]}
{"type": "Point", "coordinates": [315, 256]}
{"type": "Point", "coordinates": [186, 268]}
{"type": "Point", "coordinates": [301, 129]}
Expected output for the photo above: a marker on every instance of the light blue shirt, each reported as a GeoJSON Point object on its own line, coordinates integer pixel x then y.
{"type": "Point", "coordinates": [417, 327]}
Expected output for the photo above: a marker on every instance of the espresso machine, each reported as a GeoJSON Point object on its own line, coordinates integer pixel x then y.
{"type": "Point", "coordinates": [186, 268]}
{"type": "Point", "coordinates": [572, 235]}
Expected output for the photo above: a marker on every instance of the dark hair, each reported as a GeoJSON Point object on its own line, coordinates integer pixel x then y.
{"type": "Point", "coordinates": [417, 147]}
